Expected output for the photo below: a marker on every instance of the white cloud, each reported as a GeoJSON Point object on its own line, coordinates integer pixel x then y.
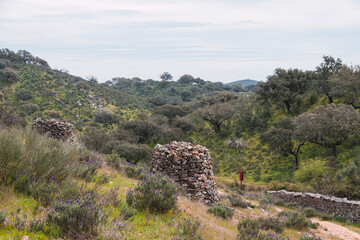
{"type": "Point", "coordinates": [208, 38]}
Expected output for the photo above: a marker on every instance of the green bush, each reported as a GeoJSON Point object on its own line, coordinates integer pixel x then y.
{"type": "Point", "coordinates": [114, 160]}
{"type": "Point", "coordinates": [134, 153]}
{"type": "Point", "coordinates": [29, 108]}
{"type": "Point", "coordinates": [68, 191]}
{"type": "Point", "coordinates": [136, 171]}
{"type": "Point", "coordinates": [11, 153]}
{"type": "Point", "coordinates": [221, 210]}
{"type": "Point", "coordinates": [22, 184]}
{"type": "Point", "coordinates": [236, 201]}
{"type": "Point", "coordinates": [326, 217]}
{"type": "Point", "coordinates": [24, 94]}
{"type": "Point", "coordinates": [187, 227]}
{"type": "Point", "coordinates": [248, 228]}
{"type": "Point", "coordinates": [80, 216]}
{"type": "Point", "coordinates": [36, 225]}
{"type": "Point", "coordinates": [271, 223]}
{"type": "Point", "coordinates": [310, 212]}
{"type": "Point", "coordinates": [44, 192]}
{"type": "Point", "coordinates": [19, 224]}
{"type": "Point", "coordinates": [127, 212]}
{"type": "Point", "coordinates": [2, 217]}
{"type": "Point", "coordinates": [292, 205]}
{"type": "Point", "coordinates": [156, 193]}
{"type": "Point", "coordinates": [25, 150]}
{"type": "Point", "coordinates": [90, 164]}
{"type": "Point", "coordinates": [299, 221]}
{"type": "Point", "coordinates": [312, 171]}
{"type": "Point", "coordinates": [279, 202]}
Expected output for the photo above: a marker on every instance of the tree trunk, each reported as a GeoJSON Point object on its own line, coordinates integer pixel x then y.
{"type": "Point", "coordinates": [287, 104]}
{"type": "Point", "coordinates": [296, 161]}
{"type": "Point", "coordinates": [334, 151]}
{"type": "Point", "coordinates": [330, 99]}
{"type": "Point", "coordinates": [217, 127]}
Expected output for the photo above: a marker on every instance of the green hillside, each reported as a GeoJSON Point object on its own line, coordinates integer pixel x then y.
{"type": "Point", "coordinates": [298, 131]}
{"type": "Point", "coordinates": [245, 82]}
{"type": "Point", "coordinates": [262, 132]}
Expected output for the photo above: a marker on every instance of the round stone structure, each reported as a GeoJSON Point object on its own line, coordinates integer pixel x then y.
{"type": "Point", "coordinates": [190, 166]}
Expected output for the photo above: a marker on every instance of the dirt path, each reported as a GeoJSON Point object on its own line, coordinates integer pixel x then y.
{"type": "Point", "coordinates": [329, 230]}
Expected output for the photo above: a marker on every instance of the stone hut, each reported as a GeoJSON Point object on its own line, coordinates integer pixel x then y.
{"type": "Point", "coordinates": [57, 130]}
{"type": "Point", "coordinates": [190, 166]}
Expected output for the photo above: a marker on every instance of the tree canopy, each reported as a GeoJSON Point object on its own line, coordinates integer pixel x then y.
{"type": "Point", "coordinates": [328, 126]}
{"type": "Point", "coordinates": [282, 138]}
{"type": "Point", "coordinates": [284, 87]}
{"type": "Point", "coordinates": [324, 72]}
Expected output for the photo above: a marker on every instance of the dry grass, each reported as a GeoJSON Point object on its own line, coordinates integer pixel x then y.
{"type": "Point", "coordinates": [211, 227]}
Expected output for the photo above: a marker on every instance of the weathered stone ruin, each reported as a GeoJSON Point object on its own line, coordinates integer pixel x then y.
{"type": "Point", "coordinates": [339, 207]}
{"type": "Point", "coordinates": [190, 166]}
{"type": "Point", "coordinates": [55, 129]}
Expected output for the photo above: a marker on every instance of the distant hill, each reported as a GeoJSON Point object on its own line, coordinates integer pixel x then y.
{"type": "Point", "coordinates": [244, 82]}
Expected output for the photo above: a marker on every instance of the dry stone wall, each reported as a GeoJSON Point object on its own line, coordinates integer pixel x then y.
{"type": "Point", "coordinates": [339, 207]}
{"type": "Point", "coordinates": [191, 166]}
{"type": "Point", "coordinates": [55, 129]}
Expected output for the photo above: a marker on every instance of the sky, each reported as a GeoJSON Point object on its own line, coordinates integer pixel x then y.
{"type": "Point", "coordinates": [216, 40]}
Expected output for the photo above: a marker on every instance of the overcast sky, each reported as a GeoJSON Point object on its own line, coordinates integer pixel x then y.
{"type": "Point", "coordinates": [217, 40]}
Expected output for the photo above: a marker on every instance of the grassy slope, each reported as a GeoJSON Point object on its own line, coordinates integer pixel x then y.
{"type": "Point", "coordinates": [145, 225]}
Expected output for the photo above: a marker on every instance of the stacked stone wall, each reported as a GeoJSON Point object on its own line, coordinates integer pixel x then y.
{"type": "Point", "coordinates": [339, 207]}
{"type": "Point", "coordinates": [55, 129]}
{"type": "Point", "coordinates": [190, 166]}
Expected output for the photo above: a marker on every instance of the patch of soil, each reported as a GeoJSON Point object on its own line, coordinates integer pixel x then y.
{"type": "Point", "coordinates": [329, 230]}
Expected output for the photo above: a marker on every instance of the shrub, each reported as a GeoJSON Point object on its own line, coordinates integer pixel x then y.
{"type": "Point", "coordinates": [136, 171]}
{"type": "Point", "coordinates": [78, 217]}
{"type": "Point", "coordinates": [299, 221]}
{"type": "Point", "coordinates": [155, 193]}
{"type": "Point", "coordinates": [19, 224]}
{"type": "Point", "coordinates": [91, 163]}
{"type": "Point", "coordinates": [292, 205]}
{"type": "Point", "coordinates": [2, 217]}
{"type": "Point", "coordinates": [236, 201]}
{"type": "Point", "coordinates": [310, 212]}
{"type": "Point", "coordinates": [268, 236]}
{"type": "Point", "coordinates": [29, 108]}
{"type": "Point", "coordinates": [36, 225]}
{"type": "Point", "coordinates": [44, 192]}
{"type": "Point", "coordinates": [11, 153]}
{"type": "Point", "coordinates": [326, 217]}
{"type": "Point", "coordinates": [285, 214]}
{"type": "Point", "coordinates": [24, 94]}
{"type": "Point", "coordinates": [127, 212]}
{"type": "Point", "coordinates": [114, 160]}
{"type": "Point", "coordinates": [134, 153]}
{"type": "Point", "coordinates": [8, 75]}
{"type": "Point", "coordinates": [187, 227]}
{"type": "Point", "coordinates": [309, 236]}
{"type": "Point", "coordinates": [22, 184]}
{"type": "Point", "coordinates": [279, 202]}
{"type": "Point", "coordinates": [312, 172]}
{"type": "Point", "coordinates": [68, 191]}
{"type": "Point", "coordinates": [248, 228]}
{"type": "Point", "coordinates": [271, 223]}
{"type": "Point", "coordinates": [106, 118]}
{"type": "Point", "coordinates": [25, 150]}
{"type": "Point", "coordinates": [221, 210]}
